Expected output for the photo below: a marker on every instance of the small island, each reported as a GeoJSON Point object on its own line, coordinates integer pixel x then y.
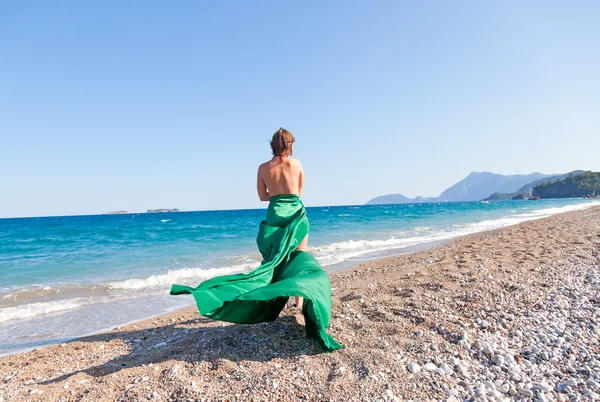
{"type": "Point", "coordinates": [153, 211]}
{"type": "Point", "coordinates": [117, 213]}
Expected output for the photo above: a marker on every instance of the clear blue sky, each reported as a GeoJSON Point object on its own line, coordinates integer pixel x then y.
{"type": "Point", "coordinates": [110, 105]}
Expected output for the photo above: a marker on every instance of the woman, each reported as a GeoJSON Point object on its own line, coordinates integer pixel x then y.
{"type": "Point", "coordinates": [282, 175]}
{"type": "Point", "coordinates": [287, 270]}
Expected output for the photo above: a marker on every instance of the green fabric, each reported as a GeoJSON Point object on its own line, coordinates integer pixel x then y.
{"type": "Point", "coordinates": [260, 295]}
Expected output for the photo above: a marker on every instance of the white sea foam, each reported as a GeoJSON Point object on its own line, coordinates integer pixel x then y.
{"type": "Point", "coordinates": [179, 275]}
{"type": "Point", "coordinates": [35, 309]}
{"type": "Point", "coordinates": [334, 253]}
{"type": "Point", "coordinates": [341, 251]}
{"type": "Point", "coordinates": [165, 220]}
{"type": "Point", "coordinates": [31, 310]}
{"type": "Point", "coordinates": [38, 295]}
{"type": "Point", "coordinates": [116, 291]}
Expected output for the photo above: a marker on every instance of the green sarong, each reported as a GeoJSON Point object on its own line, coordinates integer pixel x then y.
{"type": "Point", "coordinates": [260, 295]}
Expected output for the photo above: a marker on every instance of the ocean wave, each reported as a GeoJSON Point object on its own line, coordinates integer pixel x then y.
{"type": "Point", "coordinates": [39, 294]}
{"type": "Point", "coordinates": [566, 208]}
{"type": "Point", "coordinates": [352, 245]}
{"type": "Point", "coordinates": [534, 214]}
{"type": "Point", "coordinates": [31, 310]}
{"type": "Point", "coordinates": [179, 275]}
{"type": "Point", "coordinates": [36, 309]}
{"type": "Point", "coordinates": [337, 252]}
{"type": "Point", "coordinates": [31, 293]}
{"type": "Point", "coordinates": [25, 303]}
{"type": "Point", "coordinates": [334, 253]}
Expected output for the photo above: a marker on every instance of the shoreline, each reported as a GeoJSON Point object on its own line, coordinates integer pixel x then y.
{"type": "Point", "coordinates": [391, 298]}
{"type": "Point", "coordinates": [379, 255]}
{"type": "Point", "coordinates": [330, 270]}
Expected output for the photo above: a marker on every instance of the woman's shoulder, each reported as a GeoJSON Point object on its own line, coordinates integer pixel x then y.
{"type": "Point", "coordinates": [265, 165]}
{"type": "Point", "coordinates": [295, 161]}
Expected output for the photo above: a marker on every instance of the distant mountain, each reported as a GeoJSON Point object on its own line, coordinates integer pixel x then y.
{"type": "Point", "coordinates": [399, 199]}
{"type": "Point", "coordinates": [479, 185]}
{"type": "Point", "coordinates": [476, 186]}
{"type": "Point", "coordinates": [527, 189]}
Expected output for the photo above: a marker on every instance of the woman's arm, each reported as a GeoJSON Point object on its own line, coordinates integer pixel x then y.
{"type": "Point", "coordinates": [261, 188]}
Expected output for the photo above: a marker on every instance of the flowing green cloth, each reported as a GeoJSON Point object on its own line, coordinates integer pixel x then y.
{"type": "Point", "coordinates": [260, 295]}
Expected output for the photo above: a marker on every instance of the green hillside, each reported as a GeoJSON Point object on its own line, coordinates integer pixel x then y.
{"type": "Point", "coordinates": [580, 185]}
{"type": "Point", "coordinates": [525, 191]}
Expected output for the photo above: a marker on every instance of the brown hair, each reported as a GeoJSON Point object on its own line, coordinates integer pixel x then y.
{"type": "Point", "coordinates": [282, 141]}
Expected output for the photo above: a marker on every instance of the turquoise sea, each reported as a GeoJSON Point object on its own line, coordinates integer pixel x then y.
{"type": "Point", "coordinates": [63, 277]}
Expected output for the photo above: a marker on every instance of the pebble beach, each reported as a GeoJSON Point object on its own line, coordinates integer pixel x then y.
{"type": "Point", "coordinates": [504, 315]}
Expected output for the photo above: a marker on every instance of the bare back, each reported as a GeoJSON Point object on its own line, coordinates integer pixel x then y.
{"type": "Point", "coordinates": [275, 178]}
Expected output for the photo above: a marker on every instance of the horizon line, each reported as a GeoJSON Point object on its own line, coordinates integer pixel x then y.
{"type": "Point", "coordinates": [250, 209]}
